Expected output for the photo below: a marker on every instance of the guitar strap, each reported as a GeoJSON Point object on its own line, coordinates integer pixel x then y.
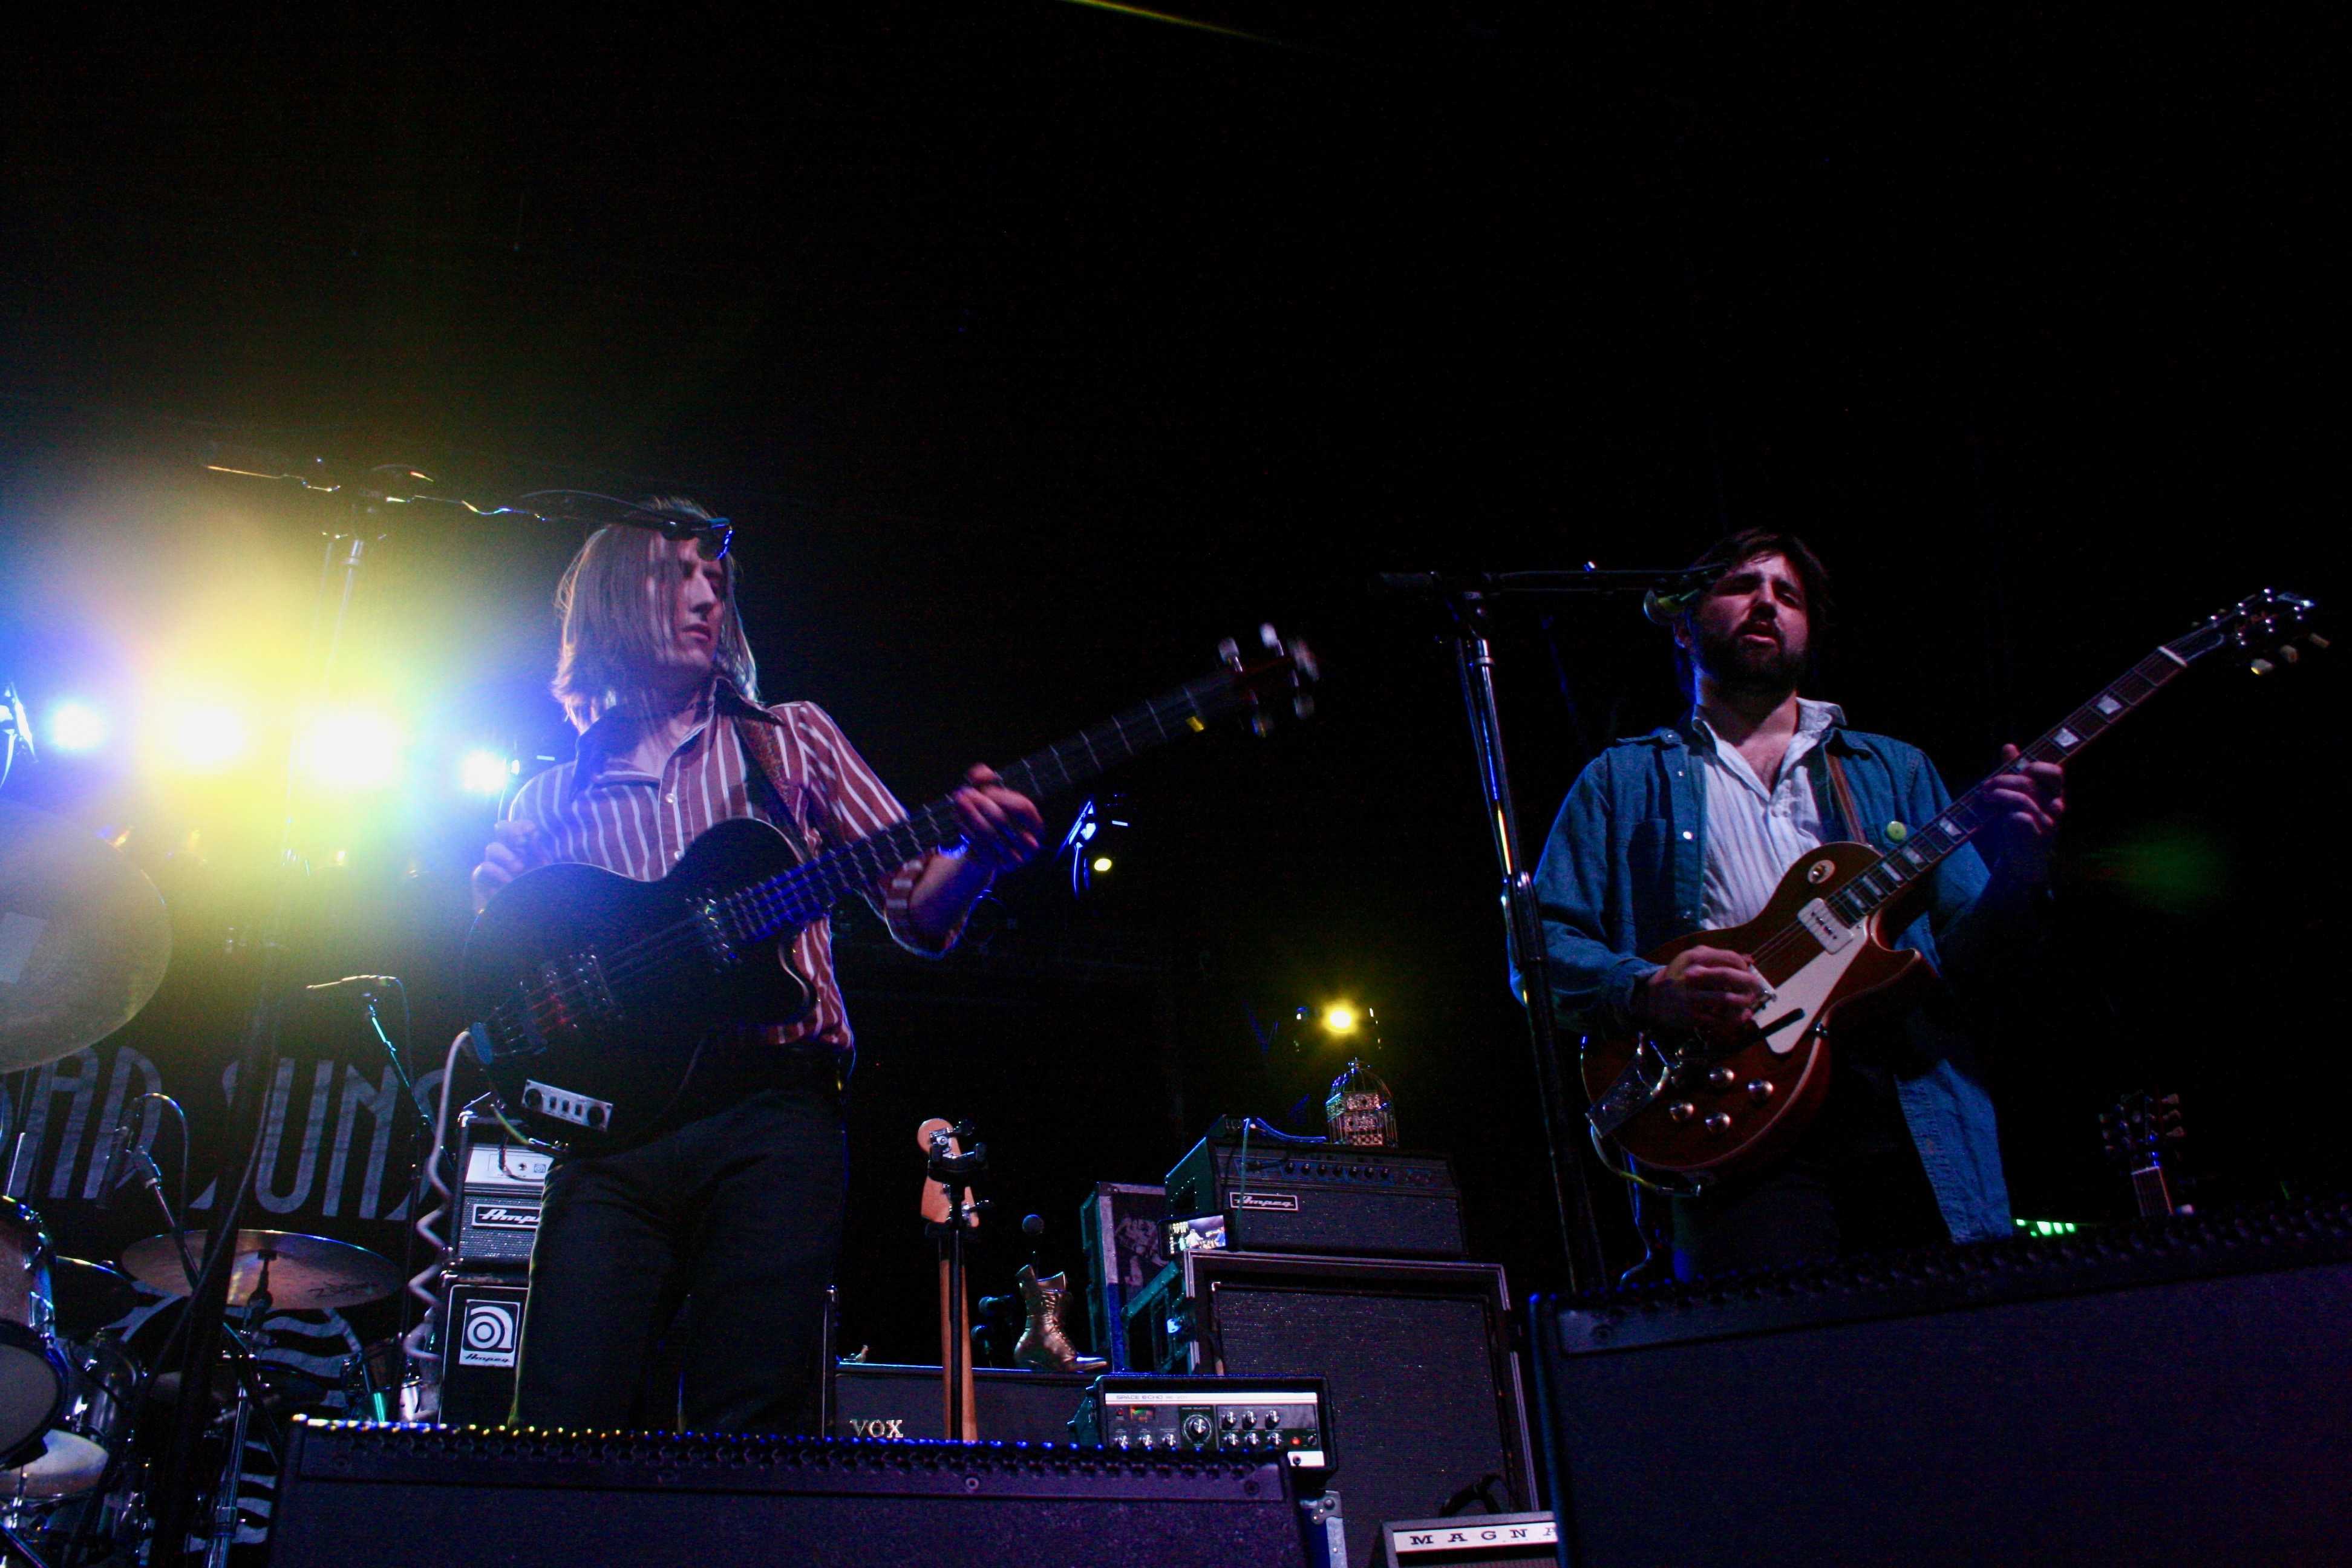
{"type": "Point", "coordinates": [1846, 808]}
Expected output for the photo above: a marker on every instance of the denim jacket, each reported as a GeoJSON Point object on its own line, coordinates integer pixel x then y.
{"type": "Point", "coordinates": [1622, 872]}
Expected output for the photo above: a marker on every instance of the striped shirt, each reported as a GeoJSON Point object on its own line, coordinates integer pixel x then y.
{"type": "Point", "coordinates": [1754, 834]}
{"type": "Point", "coordinates": [597, 811]}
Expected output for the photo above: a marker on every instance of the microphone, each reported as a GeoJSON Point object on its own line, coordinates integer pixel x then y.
{"type": "Point", "coordinates": [354, 980]}
{"type": "Point", "coordinates": [19, 728]}
{"type": "Point", "coordinates": [1664, 609]}
{"type": "Point", "coordinates": [118, 1141]}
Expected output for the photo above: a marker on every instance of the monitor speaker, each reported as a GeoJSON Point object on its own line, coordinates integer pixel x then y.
{"type": "Point", "coordinates": [2166, 1392]}
{"type": "Point", "coordinates": [438, 1497]}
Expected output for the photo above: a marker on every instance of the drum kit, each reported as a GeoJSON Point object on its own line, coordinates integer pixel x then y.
{"type": "Point", "coordinates": [84, 943]}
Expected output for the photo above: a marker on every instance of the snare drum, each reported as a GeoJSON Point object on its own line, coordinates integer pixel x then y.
{"type": "Point", "coordinates": [32, 1372]}
{"type": "Point", "coordinates": [99, 1385]}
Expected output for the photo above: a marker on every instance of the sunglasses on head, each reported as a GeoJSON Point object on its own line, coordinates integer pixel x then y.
{"type": "Point", "coordinates": [712, 536]}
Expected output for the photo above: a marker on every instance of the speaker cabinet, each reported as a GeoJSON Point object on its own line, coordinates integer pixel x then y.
{"type": "Point", "coordinates": [438, 1497]}
{"type": "Point", "coordinates": [2167, 1391]}
{"type": "Point", "coordinates": [1424, 1388]}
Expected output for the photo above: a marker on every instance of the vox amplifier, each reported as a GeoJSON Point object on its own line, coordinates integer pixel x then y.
{"type": "Point", "coordinates": [877, 1399]}
{"type": "Point", "coordinates": [1310, 1197]}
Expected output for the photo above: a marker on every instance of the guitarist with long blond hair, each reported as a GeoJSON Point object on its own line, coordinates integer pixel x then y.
{"type": "Point", "coordinates": [1691, 828]}
{"type": "Point", "coordinates": [737, 1200]}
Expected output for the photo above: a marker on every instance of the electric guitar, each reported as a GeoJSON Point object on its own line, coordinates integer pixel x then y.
{"type": "Point", "coordinates": [589, 993]}
{"type": "Point", "coordinates": [1696, 1106]}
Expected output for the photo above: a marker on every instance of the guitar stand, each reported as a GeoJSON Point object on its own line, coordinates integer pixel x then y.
{"type": "Point", "coordinates": [954, 1172]}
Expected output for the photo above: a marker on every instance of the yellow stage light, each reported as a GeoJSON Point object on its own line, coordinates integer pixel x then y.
{"type": "Point", "coordinates": [1339, 1019]}
{"type": "Point", "coordinates": [483, 773]}
{"type": "Point", "coordinates": [353, 748]}
{"type": "Point", "coordinates": [1102, 863]}
{"type": "Point", "coordinates": [205, 737]}
{"type": "Point", "coordinates": [76, 727]}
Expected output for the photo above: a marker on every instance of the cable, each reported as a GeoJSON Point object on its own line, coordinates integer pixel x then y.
{"type": "Point", "coordinates": [422, 1284]}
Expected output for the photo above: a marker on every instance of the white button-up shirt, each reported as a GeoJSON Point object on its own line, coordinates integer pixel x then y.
{"type": "Point", "coordinates": [1755, 833]}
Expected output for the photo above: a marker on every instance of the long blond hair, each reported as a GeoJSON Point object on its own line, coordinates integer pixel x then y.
{"type": "Point", "coordinates": [609, 630]}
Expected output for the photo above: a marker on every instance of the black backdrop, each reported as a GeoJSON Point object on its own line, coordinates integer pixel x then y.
{"type": "Point", "coordinates": [1036, 347]}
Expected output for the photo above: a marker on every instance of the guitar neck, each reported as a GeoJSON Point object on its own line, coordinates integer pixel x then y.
{"type": "Point", "coordinates": [799, 896]}
{"type": "Point", "coordinates": [1931, 843]}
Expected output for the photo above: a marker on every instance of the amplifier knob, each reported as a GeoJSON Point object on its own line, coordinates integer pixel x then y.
{"type": "Point", "coordinates": [1274, 1418]}
{"type": "Point", "coordinates": [1722, 1078]}
{"type": "Point", "coordinates": [1249, 1440]}
{"type": "Point", "coordinates": [1120, 1441]}
{"type": "Point", "coordinates": [1144, 1442]}
{"type": "Point", "coordinates": [1759, 1089]}
{"type": "Point", "coordinates": [1681, 1110]}
{"type": "Point", "coordinates": [1226, 1420]}
{"type": "Point", "coordinates": [1719, 1122]}
{"type": "Point", "coordinates": [1196, 1429]}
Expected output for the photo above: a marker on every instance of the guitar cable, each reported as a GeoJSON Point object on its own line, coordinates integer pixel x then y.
{"type": "Point", "coordinates": [424, 1284]}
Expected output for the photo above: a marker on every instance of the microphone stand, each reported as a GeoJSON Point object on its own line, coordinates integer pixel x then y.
{"type": "Point", "coordinates": [1469, 599]}
{"type": "Point", "coordinates": [180, 1477]}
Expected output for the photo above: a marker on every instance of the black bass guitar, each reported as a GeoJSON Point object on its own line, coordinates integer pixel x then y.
{"type": "Point", "coordinates": [589, 993]}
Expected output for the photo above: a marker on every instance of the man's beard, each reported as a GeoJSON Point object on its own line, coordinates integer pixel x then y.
{"type": "Point", "coordinates": [1741, 671]}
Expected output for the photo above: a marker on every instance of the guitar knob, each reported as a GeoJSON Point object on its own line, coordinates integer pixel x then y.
{"type": "Point", "coordinates": [1681, 1110]}
{"type": "Point", "coordinates": [1759, 1089]}
{"type": "Point", "coordinates": [1722, 1078]}
{"type": "Point", "coordinates": [1720, 1122]}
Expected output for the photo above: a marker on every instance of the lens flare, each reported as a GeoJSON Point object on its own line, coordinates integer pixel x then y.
{"type": "Point", "coordinates": [484, 772]}
{"type": "Point", "coordinates": [353, 748]}
{"type": "Point", "coordinates": [77, 727]}
{"type": "Point", "coordinates": [203, 737]}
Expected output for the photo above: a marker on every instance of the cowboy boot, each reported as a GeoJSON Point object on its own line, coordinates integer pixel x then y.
{"type": "Point", "coordinates": [1044, 1346]}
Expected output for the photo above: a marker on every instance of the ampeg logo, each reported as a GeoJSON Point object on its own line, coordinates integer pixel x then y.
{"type": "Point", "coordinates": [488, 1335]}
{"type": "Point", "coordinates": [505, 1216]}
{"type": "Point", "coordinates": [1287, 1202]}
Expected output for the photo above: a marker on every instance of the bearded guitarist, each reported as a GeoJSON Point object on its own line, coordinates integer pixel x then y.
{"type": "Point", "coordinates": [738, 1199]}
{"type": "Point", "coordinates": [1690, 828]}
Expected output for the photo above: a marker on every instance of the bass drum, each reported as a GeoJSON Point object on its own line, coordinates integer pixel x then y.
{"type": "Point", "coordinates": [32, 1372]}
{"type": "Point", "coordinates": [100, 1386]}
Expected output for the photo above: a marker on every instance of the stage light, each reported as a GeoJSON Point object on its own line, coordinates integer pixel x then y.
{"type": "Point", "coordinates": [77, 727]}
{"type": "Point", "coordinates": [353, 748]}
{"type": "Point", "coordinates": [484, 773]}
{"type": "Point", "coordinates": [1101, 863]}
{"type": "Point", "coordinates": [1339, 1019]}
{"type": "Point", "coordinates": [205, 737]}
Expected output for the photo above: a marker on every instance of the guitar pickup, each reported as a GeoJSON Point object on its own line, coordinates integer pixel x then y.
{"type": "Point", "coordinates": [1825, 928]}
{"type": "Point", "coordinates": [563, 1105]}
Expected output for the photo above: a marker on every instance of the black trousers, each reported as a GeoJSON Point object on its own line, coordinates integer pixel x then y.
{"type": "Point", "coordinates": [738, 1208]}
{"type": "Point", "coordinates": [1853, 1184]}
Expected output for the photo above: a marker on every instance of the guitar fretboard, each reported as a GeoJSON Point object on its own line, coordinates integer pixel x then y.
{"type": "Point", "coordinates": [799, 896]}
{"type": "Point", "coordinates": [1929, 845]}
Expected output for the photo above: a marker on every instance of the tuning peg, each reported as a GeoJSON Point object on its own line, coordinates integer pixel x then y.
{"type": "Point", "coordinates": [2316, 640]}
{"type": "Point", "coordinates": [2171, 1101]}
{"type": "Point", "coordinates": [1261, 724]}
{"type": "Point", "coordinates": [2289, 654]}
{"type": "Point", "coordinates": [2262, 666]}
{"type": "Point", "coordinates": [1230, 652]}
{"type": "Point", "coordinates": [1268, 639]}
{"type": "Point", "coordinates": [1302, 706]}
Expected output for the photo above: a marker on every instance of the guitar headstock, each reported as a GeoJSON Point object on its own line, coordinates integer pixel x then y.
{"type": "Point", "coordinates": [2272, 627]}
{"type": "Point", "coordinates": [941, 1141]}
{"type": "Point", "coordinates": [1279, 667]}
{"type": "Point", "coordinates": [2139, 1129]}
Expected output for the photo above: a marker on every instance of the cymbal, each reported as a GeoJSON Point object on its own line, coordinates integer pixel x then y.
{"type": "Point", "coordinates": [305, 1271]}
{"type": "Point", "coordinates": [84, 937]}
{"type": "Point", "coordinates": [88, 1296]}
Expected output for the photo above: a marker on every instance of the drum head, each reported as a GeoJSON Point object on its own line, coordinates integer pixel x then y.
{"type": "Point", "coordinates": [68, 1465]}
{"type": "Point", "coordinates": [31, 1389]}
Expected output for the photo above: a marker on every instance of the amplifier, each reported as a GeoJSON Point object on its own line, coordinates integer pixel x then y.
{"type": "Point", "coordinates": [481, 1329]}
{"type": "Point", "coordinates": [2165, 1392]}
{"type": "Point", "coordinates": [499, 1189]}
{"type": "Point", "coordinates": [1423, 1388]}
{"type": "Point", "coordinates": [1337, 1198]}
{"type": "Point", "coordinates": [1284, 1416]}
{"type": "Point", "coordinates": [874, 1399]}
{"type": "Point", "coordinates": [438, 1497]}
{"type": "Point", "coordinates": [1119, 1227]}
{"type": "Point", "coordinates": [1473, 1541]}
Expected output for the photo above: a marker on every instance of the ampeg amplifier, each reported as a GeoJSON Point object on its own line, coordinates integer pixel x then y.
{"type": "Point", "coordinates": [1132, 1412]}
{"type": "Point", "coordinates": [1306, 1196]}
{"type": "Point", "coordinates": [481, 1331]}
{"type": "Point", "coordinates": [2165, 1392]}
{"type": "Point", "coordinates": [437, 1497]}
{"type": "Point", "coordinates": [498, 1194]}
